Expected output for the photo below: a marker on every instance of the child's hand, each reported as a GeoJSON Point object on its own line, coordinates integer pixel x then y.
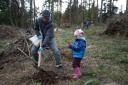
{"type": "Point", "coordinates": [69, 46]}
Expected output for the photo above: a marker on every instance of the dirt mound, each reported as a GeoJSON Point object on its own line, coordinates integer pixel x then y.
{"type": "Point", "coordinates": [118, 26]}
{"type": "Point", "coordinates": [48, 77]}
{"type": "Point", "coordinates": [45, 77]}
{"type": "Point", "coordinates": [8, 32]}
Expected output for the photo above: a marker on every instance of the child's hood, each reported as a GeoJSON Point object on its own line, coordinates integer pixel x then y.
{"type": "Point", "coordinates": [82, 38]}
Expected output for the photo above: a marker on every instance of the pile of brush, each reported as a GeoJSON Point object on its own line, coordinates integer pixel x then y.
{"type": "Point", "coordinates": [118, 26]}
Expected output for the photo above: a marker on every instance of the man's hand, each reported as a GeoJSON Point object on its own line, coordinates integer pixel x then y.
{"type": "Point", "coordinates": [41, 49]}
{"type": "Point", "coordinates": [39, 37]}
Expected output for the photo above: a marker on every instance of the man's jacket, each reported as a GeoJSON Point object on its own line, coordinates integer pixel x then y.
{"type": "Point", "coordinates": [44, 29]}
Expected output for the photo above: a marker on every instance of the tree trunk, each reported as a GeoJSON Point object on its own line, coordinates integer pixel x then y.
{"type": "Point", "coordinates": [127, 7]}
{"type": "Point", "coordinates": [75, 11]}
{"type": "Point", "coordinates": [110, 8]}
{"type": "Point", "coordinates": [16, 13]}
{"type": "Point", "coordinates": [89, 13]}
{"type": "Point", "coordinates": [34, 10]}
{"type": "Point", "coordinates": [57, 16]}
{"type": "Point", "coordinates": [85, 7]}
{"type": "Point", "coordinates": [101, 11]}
{"type": "Point", "coordinates": [92, 11]}
{"type": "Point", "coordinates": [60, 12]}
{"type": "Point", "coordinates": [82, 4]}
{"type": "Point", "coordinates": [30, 12]}
{"type": "Point", "coordinates": [97, 9]}
{"type": "Point", "coordinates": [22, 10]}
{"type": "Point", "coordinates": [97, 4]}
{"type": "Point", "coordinates": [76, 3]}
{"type": "Point", "coordinates": [10, 12]}
{"type": "Point", "coordinates": [52, 10]}
{"type": "Point", "coordinates": [70, 12]}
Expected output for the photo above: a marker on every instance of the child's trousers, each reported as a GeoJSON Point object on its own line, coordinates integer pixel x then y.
{"type": "Point", "coordinates": [76, 62]}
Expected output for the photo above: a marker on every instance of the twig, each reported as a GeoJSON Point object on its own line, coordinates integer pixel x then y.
{"type": "Point", "coordinates": [27, 45]}
{"type": "Point", "coordinates": [23, 52]}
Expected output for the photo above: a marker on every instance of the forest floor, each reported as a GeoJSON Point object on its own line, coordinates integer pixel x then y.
{"type": "Point", "coordinates": [105, 62]}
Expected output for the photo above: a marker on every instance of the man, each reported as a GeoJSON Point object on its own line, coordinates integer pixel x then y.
{"type": "Point", "coordinates": [44, 27]}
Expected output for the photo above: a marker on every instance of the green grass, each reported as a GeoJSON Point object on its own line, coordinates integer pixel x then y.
{"type": "Point", "coordinates": [112, 52]}
{"type": "Point", "coordinates": [4, 44]}
{"type": "Point", "coordinates": [92, 82]}
{"type": "Point", "coordinates": [110, 48]}
{"type": "Point", "coordinates": [104, 47]}
{"type": "Point", "coordinates": [65, 37]}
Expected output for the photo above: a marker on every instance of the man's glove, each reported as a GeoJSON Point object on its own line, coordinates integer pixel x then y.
{"type": "Point", "coordinates": [39, 37]}
{"type": "Point", "coordinates": [41, 50]}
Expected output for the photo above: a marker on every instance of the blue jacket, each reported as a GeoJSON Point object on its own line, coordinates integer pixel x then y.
{"type": "Point", "coordinates": [79, 48]}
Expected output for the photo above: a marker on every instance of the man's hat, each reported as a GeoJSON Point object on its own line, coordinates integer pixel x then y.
{"type": "Point", "coordinates": [46, 13]}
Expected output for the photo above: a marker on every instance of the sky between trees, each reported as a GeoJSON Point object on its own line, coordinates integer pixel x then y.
{"type": "Point", "coordinates": [121, 4]}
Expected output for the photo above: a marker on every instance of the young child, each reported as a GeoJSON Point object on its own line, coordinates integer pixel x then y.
{"type": "Point", "coordinates": [78, 47]}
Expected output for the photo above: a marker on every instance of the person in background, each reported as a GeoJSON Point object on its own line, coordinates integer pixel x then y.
{"type": "Point", "coordinates": [87, 24]}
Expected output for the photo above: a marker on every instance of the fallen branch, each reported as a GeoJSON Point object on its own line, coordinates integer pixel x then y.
{"type": "Point", "coordinates": [26, 43]}
{"type": "Point", "coordinates": [27, 46]}
{"type": "Point", "coordinates": [23, 52]}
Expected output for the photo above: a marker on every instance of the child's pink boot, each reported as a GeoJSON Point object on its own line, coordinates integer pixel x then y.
{"type": "Point", "coordinates": [77, 73]}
